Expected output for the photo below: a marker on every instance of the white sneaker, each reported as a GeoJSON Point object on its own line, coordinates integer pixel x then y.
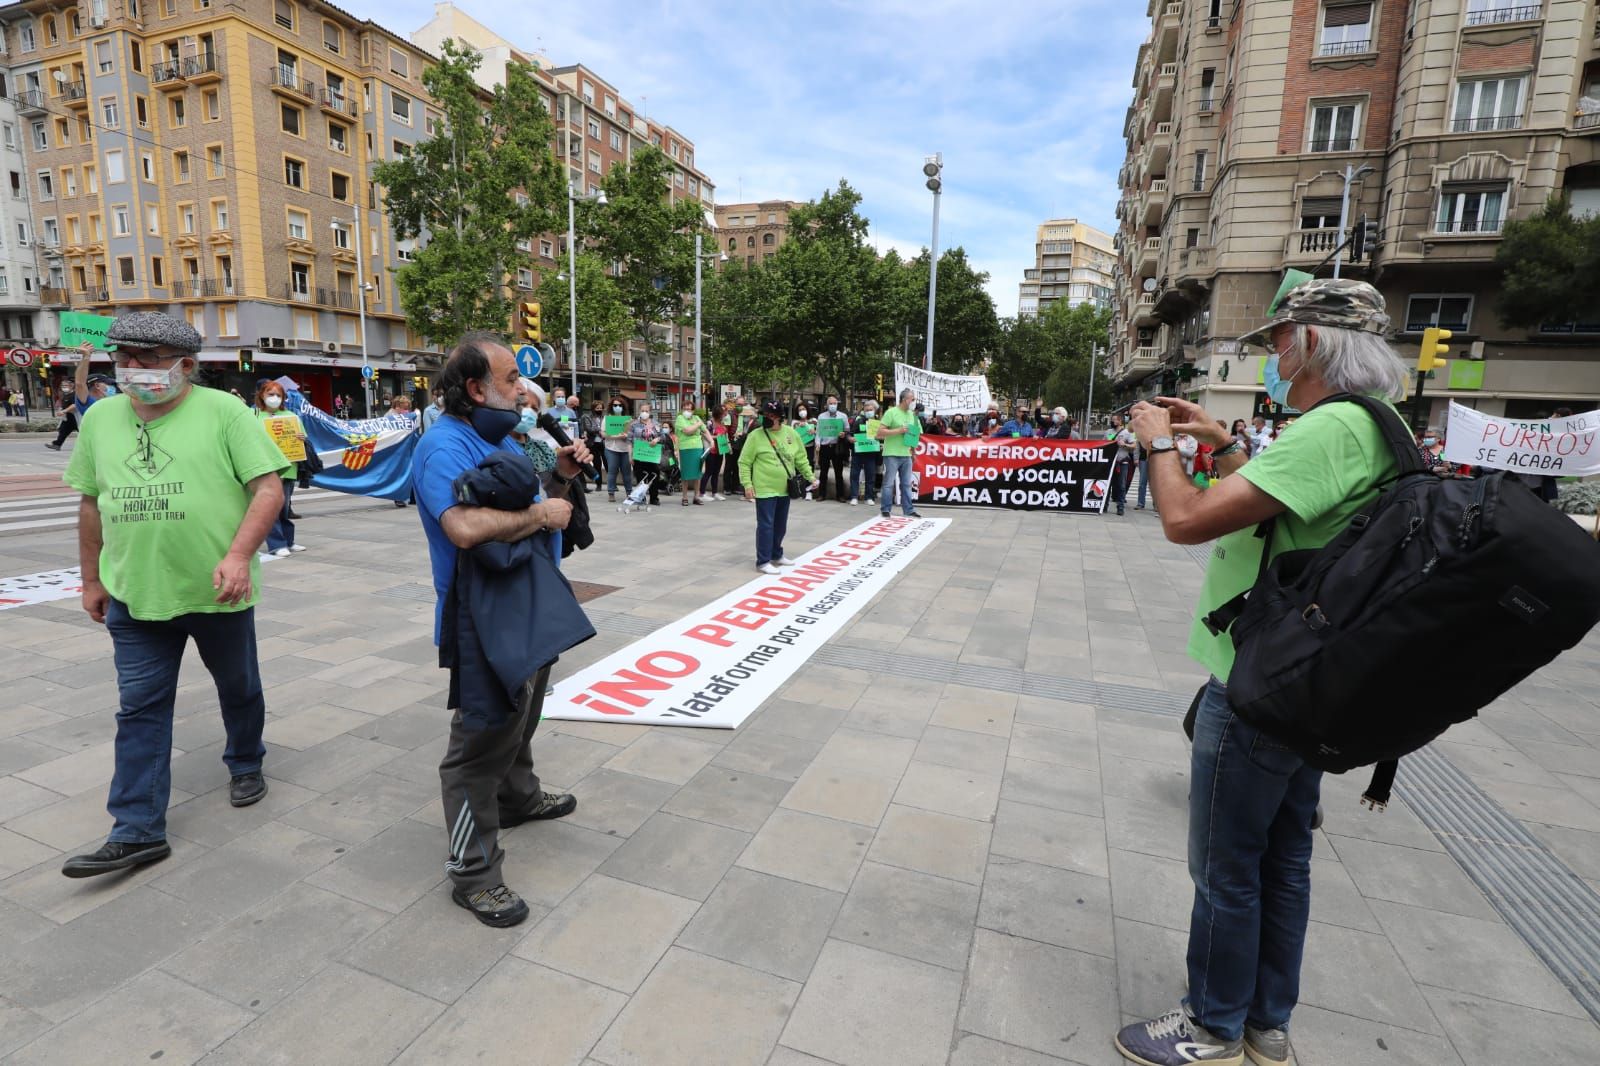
{"type": "Point", "coordinates": [718, 496]}
{"type": "Point", "coordinates": [785, 561]}
{"type": "Point", "coordinates": [282, 553]}
{"type": "Point", "coordinates": [266, 557]}
{"type": "Point", "coordinates": [768, 568]}
{"type": "Point", "coordinates": [297, 547]}
{"type": "Point", "coordinates": [854, 502]}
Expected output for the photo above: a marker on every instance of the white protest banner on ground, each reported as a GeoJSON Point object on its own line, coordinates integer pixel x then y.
{"type": "Point", "coordinates": [714, 666]}
{"type": "Point", "coordinates": [943, 393]}
{"type": "Point", "coordinates": [39, 588]}
{"type": "Point", "coordinates": [1559, 447]}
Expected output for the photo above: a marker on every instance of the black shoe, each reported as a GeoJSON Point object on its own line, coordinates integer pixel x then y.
{"type": "Point", "coordinates": [52, 445]}
{"type": "Point", "coordinates": [115, 855]}
{"type": "Point", "coordinates": [913, 514]}
{"type": "Point", "coordinates": [399, 503]}
{"type": "Point", "coordinates": [247, 789]}
{"type": "Point", "coordinates": [550, 805]}
{"type": "Point", "coordinates": [497, 906]}
{"type": "Point", "coordinates": [293, 517]}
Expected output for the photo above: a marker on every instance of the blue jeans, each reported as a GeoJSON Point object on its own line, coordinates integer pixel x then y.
{"type": "Point", "coordinates": [281, 535]}
{"type": "Point", "coordinates": [619, 461]}
{"type": "Point", "coordinates": [897, 469]}
{"type": "Point", "coordinates": [1144, 479]}
{"type": "Point", "coordinates": [863, 463]}
{"type": "Point", "coordinates": [147, 656]}
{"type": "Point", "coordinates": [772, 522]}
{"type": "Point", "coordinates": [1251, 802]}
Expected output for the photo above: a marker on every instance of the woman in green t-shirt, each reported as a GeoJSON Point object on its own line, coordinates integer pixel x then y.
{"type": "Point", "coordinates": [772, 454]}
{"type": "Point", "coordinates": [691, 439]}
{"type": "Point", "coordinates": [289, 435]}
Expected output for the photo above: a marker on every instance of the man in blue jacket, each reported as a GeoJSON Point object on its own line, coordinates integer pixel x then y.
{"type": "Point", "coordinates": [1020, 425]}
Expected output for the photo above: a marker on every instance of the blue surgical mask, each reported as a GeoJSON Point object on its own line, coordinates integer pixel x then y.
{"type": "Point", "coordinates": [1276, 387]}
{"type": "Point", "coordinates": [528, 423]}
{"type": "Point", "coordinates": [1428, 442]}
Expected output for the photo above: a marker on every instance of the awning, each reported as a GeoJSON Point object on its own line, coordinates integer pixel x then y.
{"type": "Point", "coordinates": [633, 394]}
{"type": "Point", "coordinates": [378, 362]}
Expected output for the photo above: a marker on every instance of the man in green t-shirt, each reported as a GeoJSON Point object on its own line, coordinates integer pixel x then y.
{"type": "Point", "coordinates": [1252, 800]}
{"type": "Point", "coordinates": [899, 430]}
{"type": "Point", "coordinates": [179, 486]}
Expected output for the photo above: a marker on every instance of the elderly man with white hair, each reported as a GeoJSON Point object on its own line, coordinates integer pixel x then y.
{"type": "Point", "coordinates": [1252, 800]}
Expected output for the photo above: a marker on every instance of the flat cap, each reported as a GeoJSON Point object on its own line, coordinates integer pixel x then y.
{"type": "Point", "coordinates": [152, 329]}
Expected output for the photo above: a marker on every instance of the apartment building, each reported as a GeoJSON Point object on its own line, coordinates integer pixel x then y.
{"type": "Point", "coordinates": [20, 290]}
{"type": "Point", "coordinates": [1072, 262]}
{"type": "Point", "coordinates": [596, 128]}
{"type": "Point", "coordinates": [211, 161]}
{"type": "Point", "coordinates": [1446, 118]}
{"type": "Point", "coordinates": [748, 233]}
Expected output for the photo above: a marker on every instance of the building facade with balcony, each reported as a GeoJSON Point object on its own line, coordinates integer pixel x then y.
{"type": "Point", "coordinates": [1072, 262]}
{"type": "Point", "coordinates": [23, 289]}
{"type": "Point", "coordinates": [749, 233]}
{"type": "Point", "coordinates": [1466, 112]}
{"type": "Point", "coordinates": [210, 161]}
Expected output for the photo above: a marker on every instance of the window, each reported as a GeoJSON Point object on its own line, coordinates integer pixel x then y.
{"type": "Point", "coordinates": [1346, 29]}
{"type": "Point", "coordinates": [341, 235]}
{"type": "Point", "coordinates": [594, 129]}
{"type": "Point", "coordinates": [733, 244]}
{"type": "Point", "coordinates": [750, 241]}
{"type": "Point", "coordinates": [398, 63]}
{"type": "Point", "coordinates": [332, 38]}
{"type": "Point", "coordinates": [610, 104]}
{"type": "Point", "coordinates": [74, 230]}
{"type": "Point", "coordinates": [169, 8]}
{"type": "Point", "coordinates": [1469, 209]}
{"type": "Point", "coordinates": [103, 60]}
{"type": "Point", "coordinates": [22, 234]}
{"type": "Point", "coordinates": [214, 161]}
{"type": "Point", "coordinates": [180, 167]}
{"type": "Point", "coordinates": [219, 214]}
{"type": "Point", "coordinates": [1333, 127]}
{"type": "Point", "coordinates": [1319, 212]}
{"type": "Point", "coordinates": [97, 229]}
{"type": "Point", "coordinates": [400, 107]}
{"type": "Point", "coordinates": [213, 104]}
{"type": "Point", "coordinates": [1452, 312]}
{"type": "Point", "coordinates": [290, 119]}
{"type": "Point", "coordinates": [52, 232]}
{"type": "Point", "coordinates": [227, 320]}
{"type": "Point", "coordinates": [225, 272]}
{"type": "Point", "coordinates": [85, 132]}
{"type": "Point", "coordinates": [69, 181]}
{"type": "Point", "coordinates": [110, 117]}
{"type": "Point", "coordinates": [186, 218]}
{"type": "Point", "coordinates": [141, 115]}
{"type": "Point", "coordinates": [283, 13]}
{"type": "Point", "coordinates": [40, 138]}
{"type": "Point", "coordinates": [524, 278]}
{"type": "Point", "coordinates": [339, 186]}
{"type": "Point", "coordinates": [288, 68]}
{"type": "Point", "coordinates": [588, 93]}
{"type": "Point", "coordinates": [147, 166]}
{"type": "Point", "coordinates": [294, 173]}
{"type": "Point", "coordinates": [180, 116]}
{"type": "Point", "coordinates": [769, 239]}
{"type": "Point", "coordinates": [305, 325]}
{"type": "Point", "coordinates": [119, 220]}
{"type": "Point", "coordinates": [300, 280]}
{"type": "Point", "coordinates": [25, 36]}
{"type": "Point", "coordinates": [158, 275]}
{"type": "Point", "coordinates": [1208, 87]}
{"type": "Point", "coordinates": [1487, 12]}
{"type": "Point", "coordinates": [10, 138]}
{"type": "Point", "coordinates": [125, 269]}
{"type": "Point", "coordinates": [299, 225]}
{"type": "Point", "coordinates": [135, 53]}
{"type": "Point", "coordinates": [546, 250]}
{"type": "Point", "coordinates": [47, 185]}
{"type": "Point", "coordinates": [594, 162]}
{"type": "Point", "coordinates": [348, 325]}
{"type": "Point", "coordinates": [339, 137]}
{"type": "Point", "coordinates": [1200, 159]}
{"type": "Point", "coordinates": [91, 178]}
{"type": "Point", "coordinates": [405, 251]}
{"type": "Point", "coordinates": [114, 171]}
{"type": "Point", "coordinates": [51, 34]}
{"type": "Point", "coordinates": [399, 148]}
{"type": "Point", "coordinates": [1488, 104]}
{"type": "Point", "coordinates": [152, 219]}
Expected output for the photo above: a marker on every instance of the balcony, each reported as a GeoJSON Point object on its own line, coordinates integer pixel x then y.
{"type": "Point", "coordinates": [1469, 226]}
{"type": "Point", "coordinates": [76, 94]}
{"type": "Point", "coordinates": [200, 288]}
{"type": "Point", "coordinates": [300, 294]}
{"type": "Point", "coordinates": [1140, 361]}
{"type": "Point", "coordinates": [339, 103]}
{"type": "Point", "coordinates": [1169, 22]}
{"type": "Point", "coordinates": [1144, 309]}
{"type": "Point", "coordinates": [1166, 82]}
{"type": "Point", "coordinates": [1486, 124]}
{"type": "Point", "coordinates": [345, 301]}
{"type": "Point", "coordinates": [195, 69]}
{"type": "Point", "coordinates": [286, 82]}
{"type": "Point", "coordinates": [1310, 245]}
{"type": "Point", "coordinates": [1587, 123]}
{"type": "Point", "coordinates": [1158, 148]}
{"type": "Point", "coordinates": [1155, 202]}
{"type": "Point", "coordinates": [1334, 144]}
{"type": "Point", "coordinates": [30, 101]}
{"type": "Point", "coordinates": [1150, 257]}
{"type": "Point", "coordinates": [1334, 49]}
{"type": "Point", "coordinates": [1512, 13]}
{"type": "Point", "coordinates": [51, 296]}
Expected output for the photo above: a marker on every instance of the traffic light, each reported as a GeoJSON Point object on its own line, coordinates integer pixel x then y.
{"type": "Point", "coordinates": [247, 361]}
{"type": "Point", "coordinates": [1362, 237]}
{"type": "Point", "coordinates": [1428, 356]}
{"type": "Point", "coordinates": [878, 381]}
{"type": "Point", "coordinates": [420, 382]}
{"type": "Point", "coordinates": [532, 331]}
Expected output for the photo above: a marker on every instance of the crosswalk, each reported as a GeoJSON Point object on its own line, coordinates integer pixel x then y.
{"type": "Point", "coordinates": [30, 504]}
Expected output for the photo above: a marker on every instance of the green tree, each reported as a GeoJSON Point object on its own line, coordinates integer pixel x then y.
{"type": "Point", "coordinates": [1075, 333]}
{"type": "Point", "coordinates": [1022, 360]}
{"type": "Point", "coordinates": [603, 319]}
{"type": "Point", "coordinates": [966, 330]}
{"type": "Point", "coordinates": [456, 192]}
{"type": "Point", "coordinates": [1551, 262]}
{"type": "Point", "coordinates": [740, 307]}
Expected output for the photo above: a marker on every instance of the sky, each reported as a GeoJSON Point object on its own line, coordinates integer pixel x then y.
{"type": "Point", "coordinates": [1024, 98]}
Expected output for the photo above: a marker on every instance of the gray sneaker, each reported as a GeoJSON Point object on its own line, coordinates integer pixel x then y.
{"type": "Point", "coordinates": [497, 906]}
{"type": "Point", "coordinates": [1176, 1039]}
{"type": "Point", "coordinates": [1266, 1047]}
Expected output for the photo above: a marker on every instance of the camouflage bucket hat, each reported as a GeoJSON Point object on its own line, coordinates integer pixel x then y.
{"type": "Point", "coordinates": [1338, 302]}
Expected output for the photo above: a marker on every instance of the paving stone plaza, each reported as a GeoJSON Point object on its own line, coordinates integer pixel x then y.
{"type": "Point", "coordinates": [956, 836]}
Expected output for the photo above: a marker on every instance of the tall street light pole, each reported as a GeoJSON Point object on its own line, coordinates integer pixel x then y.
{"type": "Point", "coordinates": [1350, 175]}
{"type": "Point", "coordinates": [933, 167]}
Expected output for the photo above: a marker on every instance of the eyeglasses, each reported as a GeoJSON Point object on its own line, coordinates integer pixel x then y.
{"type": "Point", "coordinates": [149, 360]}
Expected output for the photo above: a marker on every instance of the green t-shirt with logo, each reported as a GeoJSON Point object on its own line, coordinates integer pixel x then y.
{"type": "Point", "coordinates": [1324, 471]}
{"type": "Point", "coordinates": [895, 418]}
{"type": "Point", "coordinates": [171, 495]}
{"type": "Point", "coordinates": [686, 432]}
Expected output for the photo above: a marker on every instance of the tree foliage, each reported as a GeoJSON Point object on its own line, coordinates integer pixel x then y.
{"type": "Point", "coordinates": [456, 193]}
{"type": "Point", "coordinates": [1551, 264]}
{"type": "Point", "coordinates": [966, 330]}
{"type": "Point", "coordinates": [604, 321]}
{"type": "Point", "coordinates": [1075, 333]}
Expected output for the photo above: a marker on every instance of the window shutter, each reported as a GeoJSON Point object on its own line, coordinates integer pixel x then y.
{"type": "Point", "coordinates": [1348, 15]}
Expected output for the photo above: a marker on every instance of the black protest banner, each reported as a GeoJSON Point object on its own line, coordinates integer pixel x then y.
{"type": "Point", "coordinates": [1019, 473]}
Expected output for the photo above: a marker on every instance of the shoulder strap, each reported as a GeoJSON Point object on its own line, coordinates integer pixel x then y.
{"type": "Point", "coordinates": [1395, 433]}
{"type": "Point", "coordinates": [787, 470]}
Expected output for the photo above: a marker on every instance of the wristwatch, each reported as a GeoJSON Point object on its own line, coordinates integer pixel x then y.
{"type": "Point", "coordinates": [1161, 444]}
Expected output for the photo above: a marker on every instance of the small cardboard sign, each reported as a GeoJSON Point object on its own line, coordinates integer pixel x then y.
{"type": "Point", "coordinates": [285, 433]}
{"type": "Point", "coordinates": [723, 446]}
{"type": "Point", "coordinates": [80, 326]}
{"type": "Point", "coordinates": [832, 428]}
{"type": "Point", "coordinates": [806, 433]}
{"type": "Point", "coordinates": [617, 425]}
{"type": "Point", "coordinates": [865, 443]}
{"type": "Point", "coordinates": [645, 452]}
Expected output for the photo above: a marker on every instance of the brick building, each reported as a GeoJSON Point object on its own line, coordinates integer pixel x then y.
{"type": "Point", "coordinates": [751, 232]}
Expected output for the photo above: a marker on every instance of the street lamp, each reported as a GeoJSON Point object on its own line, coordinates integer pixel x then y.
{"type": "Point", "coordinates": [361, 304]}
{"type": "Point", "coordinates": [1351, 173]}
{"type": "Point", "coordinates": [933, 167]}
{"type": "Point", "coordinates": [698, 259]}
{"type": "Point", "coordinates": [573, 196]}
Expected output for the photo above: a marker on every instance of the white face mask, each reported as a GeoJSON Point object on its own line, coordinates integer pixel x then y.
{"type": "Point", "coordinates": [273, 401]}
{"type": "Point", "coordinates": [152, 386]}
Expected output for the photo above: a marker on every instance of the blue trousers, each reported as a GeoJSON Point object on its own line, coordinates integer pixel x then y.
{"type": "Point", "coordinates": [897, 471]}
{"type": "Point", "coordinates": [147, 656]}
{"type": "Point", "coordinates": [772, 522]}
{"type": "Point", "coordinates": [616, 461]}
{"type": "Point", "coordinates": [863, 463]}
{"type": "Point", "coordinates": [1251, 802]}
{"type": "Point", "coordinates": [281, 535]}
{"type": "Point", "coordinates": [1144, 479]}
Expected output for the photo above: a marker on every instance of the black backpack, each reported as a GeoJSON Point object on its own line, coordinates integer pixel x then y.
{"type": "Point", "coordinates": [1330, 641]}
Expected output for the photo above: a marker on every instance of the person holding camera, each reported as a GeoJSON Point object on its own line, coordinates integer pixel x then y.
{"type": "Point", "coordinates": [774, 470]}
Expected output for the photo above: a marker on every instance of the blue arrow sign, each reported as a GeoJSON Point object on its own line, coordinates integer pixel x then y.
{"type": "Point", "coordinates": [529, 361]}
{"type": "Point", "coordinates": [366, 372]}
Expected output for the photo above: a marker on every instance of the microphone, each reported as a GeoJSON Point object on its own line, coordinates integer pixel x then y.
{"type": "Point", "coordinates": [548, 423]}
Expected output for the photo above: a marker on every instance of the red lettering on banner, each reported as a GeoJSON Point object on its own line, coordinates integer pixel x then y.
{"type": "Point", "coordinates": [626, 685]}
{"type": "Point", "coordinates": [756, 605]}
{"type": "Point", "coordinates": [604, 708]}
{"type": "Point", "coordinates": [800, 583]}
{"type": "Point", "coordinates": [782, 595]}
{"type": "Point", "coordinates": [686, 664]}
{"type": "Point", "coordinates": [717, 635]}
{"type": "Point", "coordinates": [733, 618]}
{"type": "Point", "coordinates": [837, 558]}
{"type": "Point", "coordinates": [860, 545]}
{"type": "Point", "coordinates": [623, 687]}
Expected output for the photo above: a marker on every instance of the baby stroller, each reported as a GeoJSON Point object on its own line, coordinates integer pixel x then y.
{"type": "Point", "coordinates": [638, 499]}
{"type": "Point", "coordinates": [671, 473]}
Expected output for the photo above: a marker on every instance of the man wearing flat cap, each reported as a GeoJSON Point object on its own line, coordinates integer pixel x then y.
{"type": "Point", "coordinates": [179, 486]}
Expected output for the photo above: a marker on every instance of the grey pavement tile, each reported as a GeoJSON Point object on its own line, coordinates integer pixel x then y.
{"type": "Point", "coordinates": [519, 1012]}
{"type": "Point", "coordinates": [1504, 764]}
{"type": "Point", "coordinates": [66, 969]}
{"type": "Point", "coordinates": [1056, 746]}
{"type": "Point", "coordinates": [1384, 991]}
{"type": "Point", "coordinates": [1580, 759]}
{"type": "Point", "coordinates": [768, 755]}
{"type": "Point", "coordinates": [1148, 828]}
{"type": "Point", "coordinates": [434, 947]}
{"type": "Point", "coordinates": [610, 801]}
{"type": "Point", "coordinates": [70, 774]}
{"type": "Point", "coordinates": [307, 728]}
{"type": "Point", "coordinates": [1551, 806]}
{"type": "Point", "coordinates": [235, 877]}
{"type": "Point", "coordinates": [788, 718]}
{"type": "Point", "coordinates": [1578, 849]}
{"type": "Point", "coordinates": [828, 687]}
{"type": "Point", "coordinates": [340, 651]}
{"type": "Point", "coordinates": [19, 1026]}
{"type": "Point", "coordinates": [1165, 783]}
{"type": "Point", "coordinates": [665, 755]}
{"type": "Point", "coordinates": [325, 766]}
{"type": "Point", "coordinates": [43, 890]}
{"type": "Point", "coordinates": [18, 925]}
{"type": "Point", "coordinates": [736, 799]}
{"type": "Point", "coordinates": [25, 717]}
{"type": "Point", "coordinates": [1048, 999]}
{"type": "Point", "coordinates": [1150, 967]}
{"type": "Point", "coordinates": [19, 753]}
{"type": "Point", "coordinates": [1405, 875]}
{"type": "Point", "coordinates": [420, 765]}
{"type": "Point", "coordinates": [154, 1016]}
{"type": "Point", "coordinates": [1482, 958]}
{"type": "Point", "coordinates": [1055, 714]}
{"type": "Point", "coordinates": [1487, 1032]}
{"type": "Point", "coordinates": [950, 790]}
{"type": "Point", "coordinates": [974, 1050]}
{"type": "Point", "coordinates": [804, 847]}
{"type": "Point", "coordinates": [907, 913]}
{"type": "Point", "coordinates": [211, 820]}
{"type": "Point", "coordinates": [868, 1008]}
{"type": "Point", "coordinates": [269, 951]}
{"type": "Point", "coordinates": [546, 860]}
{"type": "Point", "coordinates": [391, 870]}
{"type": "Point", "coordinates": [975, 710]}
{"type": "Point", "coordinates": [898, 717]}
{"type": "Point", "coordinates": [408, 728]}
{"type": "Point", "coordinates": [201, 770]}
{"type": "Point", "coordinates": [782, 1056]}
{"type": "Point", "coordinates": [677, 855]}
{"type": "Point", "coordinates": [1053, 906]}
{"type": "Point", "coordinates": [866, 753]}
{"type": "Point", "coordinates": [836, 791]}
{"type": "Point", "coordinates": [1335, 900]}
{"type": "Point", "coordinates": [1161, 741]}
{"type": "Point", "coordinates": [734, 1017]}
{"type": "Point", "coordinates": [373, 1022]}
{"type": "Point", "coordinates": [1326, 1038]}
{"type": "Point", "coordinates": [1051, 838]}
{"type": "Point", "coordinates": [386, 696]}
{"type": "Point", "coordinates": [607, 931]}
{"type": "Point", "coordinates": [939, 844]}
{"type": "Point", "coordinates": [562, 760]}
{"type": "Point", "coordinates": [768, 923]}
{"type": "Point", "coordinates": [362, 672]}
{"type": "Point", "coordinates": [963, 750]}
{"type": "Point", "coordinates": [1151, 889]}
{"type": "Point", "coordinates": [361, 809]}
{"type": "Point", "coordinates": [1061, 788]}
{"type": "Point", "coordinates": [69, 822]}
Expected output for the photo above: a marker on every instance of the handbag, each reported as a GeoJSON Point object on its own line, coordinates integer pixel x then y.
{"type": "Point", "coordinates": [796, 484]}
